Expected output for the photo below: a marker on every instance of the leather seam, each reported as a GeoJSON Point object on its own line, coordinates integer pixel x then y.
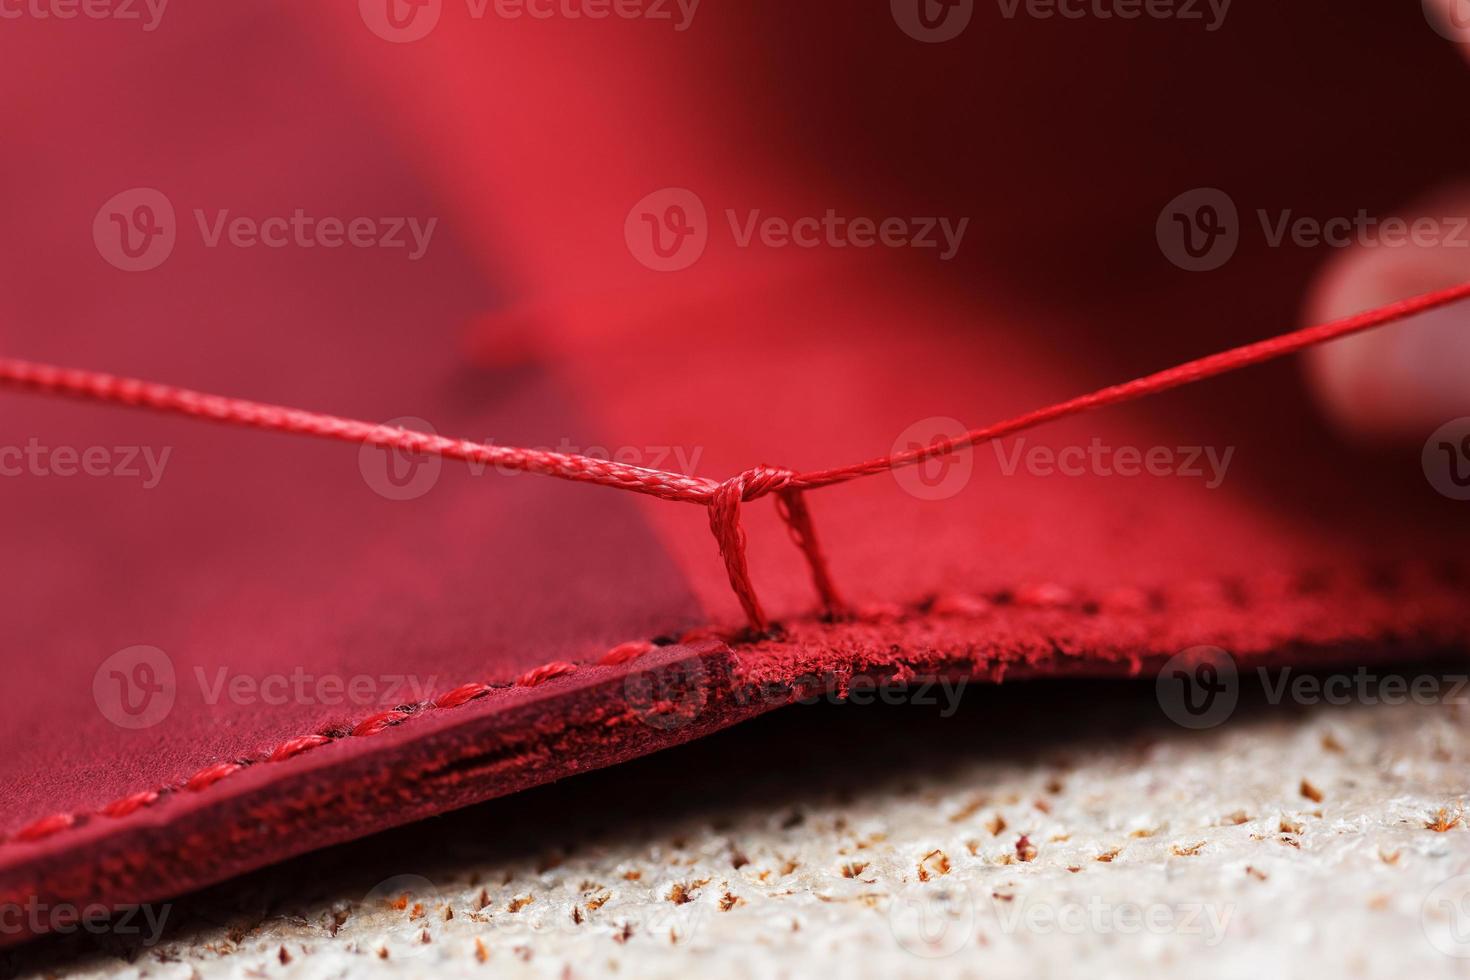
{"type": "Point", "coordinates": [1120, 601]}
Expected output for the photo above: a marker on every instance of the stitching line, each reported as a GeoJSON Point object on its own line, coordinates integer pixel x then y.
{"type": "Point", "coordinates": [1125, 600]}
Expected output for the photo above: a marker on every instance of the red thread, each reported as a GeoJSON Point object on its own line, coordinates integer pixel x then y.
{"type": "Point", "coordinates": [624, 652]}
{"type": "Point", "coordinates": [208, 776]}
{"type": "Point", "coordinates": [45, 827]}
{"type": "Point", "coordinates": [462, 695]}
{"type": "Point", "coordinates": [1043, 596]}
{"type": "Point", "coordinates": [959, 604]}
{"type": "Point", "coordinates": [724, 523]}
{"type": "Point", "coordinates": [792, 506]}
{"type": "Point", "coordinates": [378, 722]}
{"type": "Point", "coordinates": [545, 673]}
{"type": "Point", "coordinates": [722, 499]}
{"type": "Point", "coordinates": [296, 746]}
{"type": "Point", "coordinates": [128, 804]}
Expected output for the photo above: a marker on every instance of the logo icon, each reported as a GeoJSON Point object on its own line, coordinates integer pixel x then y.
{"type": "Point", "coordinates": [135, 688]}
{"type": "Point", "coordinates": [403, 906]}
{"type": "Point", "coordinates": [1449, 18]}
{"type": "Point", "coordinates": [932, 21]}
{"type": "Point", "coordinates": [670, 696]}
{"type": "Point", "coordinates": [1199, 687]}
{"type": "Point", "coordinates": [400, 21]}
{"type": "Point", "coordinates": [942, 475]}
{"type": "Point", "coordinates": [135, 230]}
{"type": "Point", "coordinates": [1445, 916]}
{"type": "Point", "coordinates": [1446, 459]}
{"type": "Point", "coordinates": [668, 230]}
{"type": "Point", "coordinates": [395, 474]}
{"type": "Point", "coordinates": [932, 923]}
{"type": "Point", "coordinates": [1199, 230]}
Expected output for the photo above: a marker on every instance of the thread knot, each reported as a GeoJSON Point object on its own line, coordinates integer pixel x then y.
{"type": "Point", "coordinates": [724, 522]}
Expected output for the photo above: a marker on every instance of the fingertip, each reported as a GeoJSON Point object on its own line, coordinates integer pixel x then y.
{"type": "Point", "coordinates": [1402, 381]}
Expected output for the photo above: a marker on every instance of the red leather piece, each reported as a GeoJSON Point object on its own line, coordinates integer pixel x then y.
{"type": "Point", "coordinates": [505, 595]}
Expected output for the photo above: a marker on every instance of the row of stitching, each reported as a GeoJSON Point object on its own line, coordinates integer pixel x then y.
{"type": "Point", "coordinates": [1119, 601]}
{"type": "Point", "coordinates": [289, 749]}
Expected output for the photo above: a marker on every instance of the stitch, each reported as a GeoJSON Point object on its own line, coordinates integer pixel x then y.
{"type": "Point", "coordinates": [208, 776]}
{"type": "Point", "coordinates": [959, 604]}
{"type": "Point", "coordinates": [462, 695]}
{"type": "Point", "coordinates": [545, 672]}
{"type": "Point", "coordinates": [624, 652]}
{"type": "Point", "coordinates": [1042, 596]}
{"type": "Point", "coordinates": [46, 826]}
{"type": "Point", "coordinates": [126, 805]}
{"type": "Point", "coordinates": [296, 746]}
{"type": "Point", "coordinates": [378, 722]}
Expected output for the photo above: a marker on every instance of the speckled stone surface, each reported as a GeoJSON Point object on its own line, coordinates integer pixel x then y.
{"type": "Point", "coordinates": [1041, 829]}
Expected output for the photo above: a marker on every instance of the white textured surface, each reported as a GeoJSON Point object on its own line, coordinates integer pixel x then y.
{"type": "Point", "coordinates": [813, 841]}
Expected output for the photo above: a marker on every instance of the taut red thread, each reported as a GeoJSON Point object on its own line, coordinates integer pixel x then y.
{"type": "Point", "coordinates": [723, 500]}
{"type": "Point", "coordinates": [1188, 373]}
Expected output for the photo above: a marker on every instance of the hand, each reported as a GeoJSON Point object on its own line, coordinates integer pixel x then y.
{"type": "Point", "coordinates": [1404, 381]}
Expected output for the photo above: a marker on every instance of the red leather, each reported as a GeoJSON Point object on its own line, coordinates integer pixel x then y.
{"type": "Point", "coordinates": [528, 322]}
